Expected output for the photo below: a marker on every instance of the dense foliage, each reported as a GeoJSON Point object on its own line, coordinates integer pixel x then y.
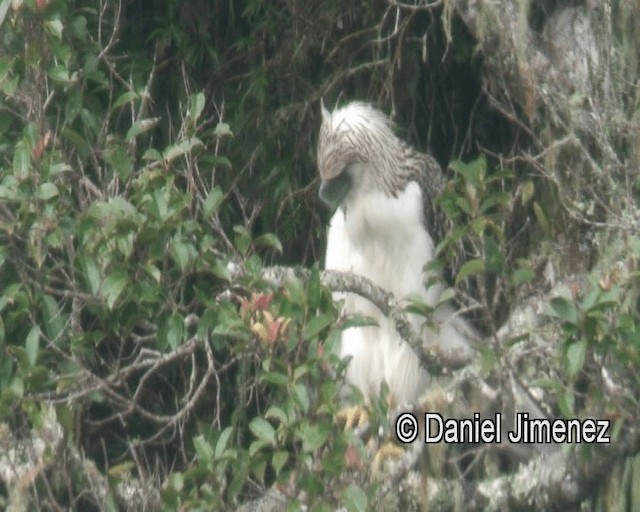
{"type": "Point", "coordinates": [132, 298]}
{"type": "Point", "coordinates": [155, 158]}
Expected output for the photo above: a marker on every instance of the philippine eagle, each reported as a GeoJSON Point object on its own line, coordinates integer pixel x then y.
{"type": "Point", "coordinates": [383, 192]}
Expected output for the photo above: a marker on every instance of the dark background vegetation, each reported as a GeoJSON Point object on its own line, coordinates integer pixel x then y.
{"type": "Point", "coordinates": [157, 156]}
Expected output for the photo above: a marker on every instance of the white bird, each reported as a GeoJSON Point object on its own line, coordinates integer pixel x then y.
{"type": "Point", "coordinates": [384, 192]}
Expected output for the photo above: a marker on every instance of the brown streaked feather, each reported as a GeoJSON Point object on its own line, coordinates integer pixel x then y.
{"type": "Point", "coordinates": [366, 136]}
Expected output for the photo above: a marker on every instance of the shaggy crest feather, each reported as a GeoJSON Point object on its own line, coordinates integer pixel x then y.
{"type": "Point", "coordinates": [360, 133]}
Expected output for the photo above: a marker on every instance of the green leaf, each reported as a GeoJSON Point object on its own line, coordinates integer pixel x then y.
{"type": "Point", "coordinates": [120, 161]}
{"type": "Point", "coordinates": [301, 396]}
{"type": "Point", "coordinates": [269, 240]}
{"type": "Point", "coordinates": [79, 27]}
{"type": "Point", "coordinates": [54, 27]}
{"type": "Point", "coordinates": [314, 436]}
{"type": "Point", "coordinates": [492, 255]}
{"type": "Point", "coordinates": [171, 331]}
{"type": "Point", "coordinates": [447, 295]}
{"type": "Point", "coordinates": [610, 297]}
{"type": "Point", "coordinates": [501, 176]}
{"type": "Point", "coordinates": [5, 63]}
{"type": "Point", "coordinates": [495, 199]}
{"type": "Point", "coordinates": [471, 267]}
{"type": "Point", "coordinates": [204, 450]}
{"type": "Point", "coordinates": [62, 52]}
{"type": "Point", "coordinates": [523, 276]}
{"type": "Point", "coordinates": [258, 468]}
{"type": "Point", "coordinates": [21, 160]}
{"type": "Point", "coordinates": [153, 271]}
{"type": "Point", "coordinates": [161, 204]}
{"type": "Point", "coordinates": [32, 345]}
{"type": "Point", "coordinates": [576, 354]}
{"type": "Point", "coordinates": [114, 285]}
{"type": "Point", "coordinates": [181, 252]}
{"type": "Point", "coordinates": [332, 343]}
{"type": "Point", "coordinates": [77, 140]}
{"type": "Point", "coordinates": [566, 403]}
{"type": "Point", "coordinates": [238, 332]}
{"type": "Point", "coordinates": [590, 298]}
{"type": "Point", "coordinates": [15, 389]}
{"type": "Point", "coordinates": [479, 224]}
{"type": "Point", "coordinates": [253, 265]}
{"type": "Point", "coordinates": [296, 291]}
{"type": "Point", "coordinates": [222, 130]}
{"type": "Point", "coordinates": [301, 371]}
{"type": "Point", "coordinates": [122, 469]}
{"type": "Point", "coordinates": [59, 74]}
{"type": "Point", "coordinates": [263, 430]}
{"type": "Point", "coordinates": [313, 288]}
{"type": "Point", "coordinates": [223, 441]}
{"type": "Point", "coordinates": [141, 126]}
{"type": "Point", "coordinates": [316, 325]}
{"type": "Point", "coordinates": [9, 86]}
{"type": "Point", "coordinates": [197, 105]}
{"type": "Point", "coordinates": [221, 270]}
{"type": "Point", "coordinates": [4, 7]}
{"type": "Point", "coordinates": [278, 414]}
{"type": "Point", "coordinates": [242, 238]}
{"type": "Point", "coordinates": [90, 272]}
{"type": "Point", "coordinates": [213, 201]}
{"type": "Point", "coordinates": [417, 305]}
{"type": "Point", "coordinates": [464, 205]}
{"type": "Point", "coordinates": [9, 194]}
{"type": "Point", "coordinates": [47, 191]}
{"type": "Point", "coordinates": [73, 105]}
{"type": "Point", "coordinates": [125, 98]}
{"type": "Point", "coordinates": [116, 211]}
{"type": "Point", "coordinates": [354, 498]}
{"type": "Point", "coordinates": [527, 190]}
{"type": "Point", "coordinates": [279, 460]}
{"type": "Point", "coordinates": [279, 379]}
{"type": "Point", "coordinates": [541, 218]}
{"type": "Point", "coordinates": [54, 320]}
{"type": "Point", "coordinates": [216, 161]}
{"type": "Point", "coordinates": [58, 168]}
{"type": "Point", "coordinates": [181, 148]}
{"type": "Point", "coordinates": [256, 446]}
{"type": "Point", "coordinates": [473, 171]}
{"type": "Point", "coordinates": [152, 154]}
{"type": "Point", "coordinates": [564, 310]}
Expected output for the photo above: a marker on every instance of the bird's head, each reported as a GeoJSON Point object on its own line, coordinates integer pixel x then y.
{"type": "Point", "coordinates": [357, 152]}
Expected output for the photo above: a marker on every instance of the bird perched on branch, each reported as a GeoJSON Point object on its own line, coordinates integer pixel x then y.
{"type": "Point", "coordinates": [383, 228]}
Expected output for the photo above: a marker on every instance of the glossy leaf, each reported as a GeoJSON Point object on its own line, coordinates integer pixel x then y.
{"type": "Point", "coordinates": [354, 498]}
{"type": "Point", "coordinates": [575, 357]}
{"type": "Point", "coordinates": [32, 345]}
{"type": "Point", "coordinates": [316, 325]}
{"type": "Point", "coordinates": [470, 268]}
{"type": "Point", "coordinates": [565, 310]}
{"type": "Point", "coordinates": [47, 191]}
{"type": "Point", "coordinates": [263, 430]}
{"type": "Point", "coordinates": [197, 106]}
{"type": "Point", "coordinates": [113, 286]}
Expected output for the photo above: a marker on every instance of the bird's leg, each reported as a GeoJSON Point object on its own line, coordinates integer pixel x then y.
{"type": "Point", "coordinates": [357, 418]}
{"type": "Point", "coordinates": [388, 451]}
{"type": "Point", "coordinates": [352, 417]}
